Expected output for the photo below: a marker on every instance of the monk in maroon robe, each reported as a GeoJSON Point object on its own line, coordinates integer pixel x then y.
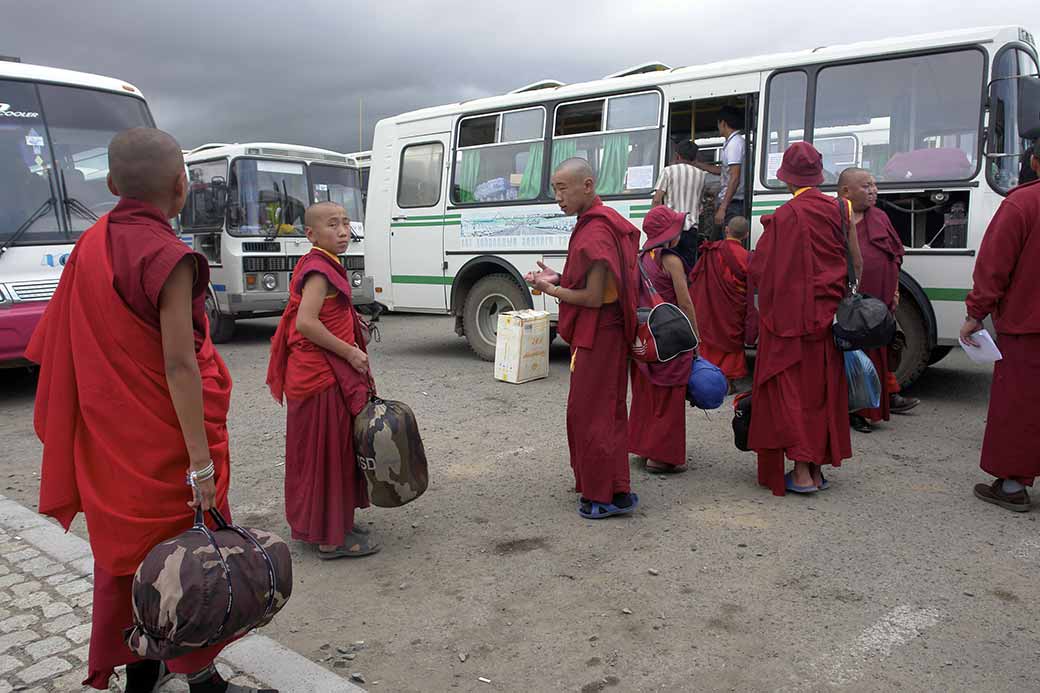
{"type": "Point", "coordinates": [125, 339]}
{"type": "Point", "coordinates": [657, 419]}
{"type": "Point", "coordinates": [597, 295]}
{"type": "Point", "coordinates": [319, 366]}
{"type": "Point", "coordinates": [719, 285]}
{"type": "Point", "coordinates": [1007, 286]}
{"type": "Point", "coordinates": [800, 394]}
{"type": "Point", "coordinates": [882, 252]}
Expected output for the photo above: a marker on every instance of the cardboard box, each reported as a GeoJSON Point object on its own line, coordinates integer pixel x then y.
{"type": "Point", "coordinates": [522, 349]}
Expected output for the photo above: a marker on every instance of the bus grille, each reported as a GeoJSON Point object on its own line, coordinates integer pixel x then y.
{"type": "Point", "coordinates": [34, 291]}
{"type": "Point", "coordinates": [261, 247]}
{"type": "Point", "coordinates": [286, 264]}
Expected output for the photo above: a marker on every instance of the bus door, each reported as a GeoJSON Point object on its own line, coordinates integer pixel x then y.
{"type": "Point", "coordinates": [417, 224]}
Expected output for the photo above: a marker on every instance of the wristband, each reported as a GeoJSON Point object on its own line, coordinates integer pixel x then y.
{"type": "Point", "coordinates": [204, 474]}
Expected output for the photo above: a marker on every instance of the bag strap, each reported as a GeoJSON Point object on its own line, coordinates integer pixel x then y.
{"type": "Point", "coordinates": [646, 278]}
{"type": "Point", "coordinates": [850, 272]}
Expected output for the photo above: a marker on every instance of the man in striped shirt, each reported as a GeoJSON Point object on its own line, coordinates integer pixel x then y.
{"type": "Point", "coordinates": [680, 188]}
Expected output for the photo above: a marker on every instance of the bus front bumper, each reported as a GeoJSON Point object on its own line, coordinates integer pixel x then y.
{"type": "Point", "coordinates": [17, 322]}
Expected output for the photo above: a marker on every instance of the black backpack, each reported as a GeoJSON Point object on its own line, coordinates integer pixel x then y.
{"type": "Point", "coordinates": [862, 321]}
{"type": "Point", "coordinates": [742, 420]}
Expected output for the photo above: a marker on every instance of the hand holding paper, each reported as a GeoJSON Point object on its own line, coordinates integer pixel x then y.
{"type": "Point", "coordinates": [981, 348]}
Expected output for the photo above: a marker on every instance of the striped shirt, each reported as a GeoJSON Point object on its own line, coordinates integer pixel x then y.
{"type": "Point", "coordinates": [682, 185]}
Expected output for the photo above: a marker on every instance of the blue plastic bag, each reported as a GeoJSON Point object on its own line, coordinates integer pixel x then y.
{"type": "Point", "coordinates": [707, 387]}
{"type": "Point", "coordinates": [864, 384]}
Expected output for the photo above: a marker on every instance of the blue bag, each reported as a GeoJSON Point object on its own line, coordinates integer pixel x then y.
{"type": "Point", "coordinates": [864, 384]}
{"type": "Point", "coordinates": [707, 386]}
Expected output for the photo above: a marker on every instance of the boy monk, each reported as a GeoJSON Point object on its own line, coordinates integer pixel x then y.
{"type": "Point", "coordinates": [319, 367]}
{"type": "Point", "coordinates": [597, 295]}
{"type": "Point", "coordinates": [718, 285]}
{"type": "Point", "coordinates": [132, 397]}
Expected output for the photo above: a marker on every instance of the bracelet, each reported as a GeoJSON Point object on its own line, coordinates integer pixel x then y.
{"type": "Point", "coordinates": [204, 474]}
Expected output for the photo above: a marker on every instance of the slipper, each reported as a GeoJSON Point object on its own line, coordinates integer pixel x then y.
{"type": "Point", "coordinates": [599, 511]}
{"type": "Point", "coordinates": [354, 546]}
{"type": "Point", "coordinates": [655, 467]}
{"type": "Point", "coordinates": [824, 484]}
{"type": "Point", "coordinates": [790, 486]}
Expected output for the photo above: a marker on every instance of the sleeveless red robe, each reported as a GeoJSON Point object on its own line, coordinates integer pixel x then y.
{"type": "Point", "coordinates": [718, 286]}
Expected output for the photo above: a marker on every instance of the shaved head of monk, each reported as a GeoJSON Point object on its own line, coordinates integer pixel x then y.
{"type": "Point", "coordinates": [858, 187]}
{"type": "Point", "coordinates": [574, 185]}
{"type": "Point", "coordinates": [737, 228]}
{"type": "Point", "coordinates": [146, 164]}
{"type": "Point", "coordinates": [328, 226]}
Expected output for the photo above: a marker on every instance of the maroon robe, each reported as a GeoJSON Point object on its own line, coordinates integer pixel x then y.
{"type": "Point", "coordinates": [718, 286]}
{"type": "Point", "coordinates": [1007, 286]}
{"type": "Point", "coordinates": [800, 394]}
{"type": "Point", "coordinates": [657, 418]}
{"type": "Point", "coordinates": [600, 338]}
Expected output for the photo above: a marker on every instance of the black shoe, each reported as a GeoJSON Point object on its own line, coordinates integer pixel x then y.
{"type": "Point", "coordinates": [897, 404]}
{"type": "Point", "coordinates": [860, 424]}
{"type": "Point", "coordinates": [1017, 502]}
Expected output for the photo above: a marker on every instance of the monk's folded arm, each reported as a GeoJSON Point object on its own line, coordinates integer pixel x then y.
{"type": "Point", "coordinates": [592, 295]}
{"type": "Point", "coordinates": [181, 366]}
{"type": "Point", "coordinates": [315, 290]}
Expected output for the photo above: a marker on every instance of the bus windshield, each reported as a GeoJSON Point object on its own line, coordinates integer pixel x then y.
{"type": "Point", "coordinates": [53, 138]}
{"type": "Point", "coordinates": [267, 198]}
{"type": "Point", "coordinates": [340, 185]}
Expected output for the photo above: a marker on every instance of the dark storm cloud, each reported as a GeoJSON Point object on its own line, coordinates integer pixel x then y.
{"type": "Point", "coordinates": [294, 71]}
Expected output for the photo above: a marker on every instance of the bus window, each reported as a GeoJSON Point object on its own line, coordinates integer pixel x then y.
{"type": "Point", "coordinates": [207, 196]}
{"type": "Point", "coordinates": [919, 116]}
{"type": "Point", "coordinates": [1006, 143]}
{"type": "Point", "coordinates": [785, 119]}
{"type": "Point", "coordinates": [500, 157]}
{"type": "Point", "coordinates": [419, 184]}
{"type": "Point", "coordinates": [267, 198]}
{"type": "Point", "coordinates": [340, 185]}
{"type": "Point", "coordinates": [619, 136]}
{"type": "Point", "coordinates": [25, 168]}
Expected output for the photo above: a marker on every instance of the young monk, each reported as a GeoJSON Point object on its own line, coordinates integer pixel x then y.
{"type": "Point", "coordinates": [597, 295]}
{"type": "Point", "coordinates": [657, 419]}
{"type": "Point", "coordinates": [718, 285]}
{"type": "Point", "coordinates": [125, 339]}
{"type": "Point", "coordinates": [800, 396]}
{"type": "Point", "coordinates": [319, 367]}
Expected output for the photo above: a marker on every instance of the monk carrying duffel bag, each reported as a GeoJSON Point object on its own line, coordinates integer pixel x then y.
{"type": "Point", "coordinates": [204, 587]}
{"type": "Point", "coordinates": [390, 453]}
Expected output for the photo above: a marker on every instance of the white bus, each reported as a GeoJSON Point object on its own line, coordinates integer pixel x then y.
{"type": "Point", "coordinates": [244, 212]}
{"type": "Point", "coordinates": [363, 160]}
{"type": "Point", "coordinates": [460, 205]}
{"type": "Point", "coordinates": [55, 127]}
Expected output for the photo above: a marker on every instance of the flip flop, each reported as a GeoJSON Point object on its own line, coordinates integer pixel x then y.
{"type": "Point", "coordinates": [824, 484]}
{"type": "Point", "coordinates": [790, 486]}
{"type": "Point", "coordinates": [599, 511]}
{"type": "Point", "coordinates": [654, 467]}
{"type": "Point", "coordinates": [354, 546]}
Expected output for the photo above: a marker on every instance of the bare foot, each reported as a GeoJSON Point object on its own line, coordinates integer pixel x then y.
{"type": "Point", "coordinates": [817, 474]}
{"type": "Point", "coordinates": [801, 474]}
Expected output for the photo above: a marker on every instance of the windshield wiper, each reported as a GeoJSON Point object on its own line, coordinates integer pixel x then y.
{"type": "Point", "coordinates": [47, 205]}
{"type": "Point", "coordinates": [72, 204]}
{"type": "Point", "coordinates": [275, 224]}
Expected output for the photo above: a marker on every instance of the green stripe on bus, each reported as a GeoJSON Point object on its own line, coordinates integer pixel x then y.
{"type": "Point", "coordinates": [421, 279]}
{"type": "Point", "coordinates": [767, 203]}
{"type": "Point", "coordinates": [639, 208]}
{"type": "Point", "coordinates": [946, 294]}
{"type": "Point", "coordinates": [434, 217]}
{"type": "Point", "coordinates": [637, 215]}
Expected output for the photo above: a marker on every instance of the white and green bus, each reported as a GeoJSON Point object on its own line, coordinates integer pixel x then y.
{"type": "Point", "coordinates": [460, 205]}
{"type": "Point", "coordinates": [244, 212]}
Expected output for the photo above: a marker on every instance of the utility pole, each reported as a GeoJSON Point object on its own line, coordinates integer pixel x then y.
{"type": "Point", "coordinates": [360, 120]}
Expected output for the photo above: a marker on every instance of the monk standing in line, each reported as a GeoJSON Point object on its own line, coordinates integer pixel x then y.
{"type": "Point", "coordinates": [800, 395]}
{"type": "Point", "coordinates": [133, 398]}
{"type": "Point", "coordinates": [718, 285]}
{"type": "Point", "coordinates": [597, 295]}
{"type": "Point", "coordinates": [319, 366]}
{"type": "Point", "coordinates": [882, 252]}
{"type": "Point", "coordinates": [1007, 286]}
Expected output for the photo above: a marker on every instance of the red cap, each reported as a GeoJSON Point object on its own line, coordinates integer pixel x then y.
{"type": "Point", "coordinates": [802, 165]}
{"type": "Point", "coordinates": [661, 226]}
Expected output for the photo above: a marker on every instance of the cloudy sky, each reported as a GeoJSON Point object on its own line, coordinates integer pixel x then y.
{"type": "Point", "coordinates": [246, 70]}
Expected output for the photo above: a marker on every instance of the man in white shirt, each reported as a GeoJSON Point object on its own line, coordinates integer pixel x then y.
{"type": "Point", "coordinates": [731, 194]}
{"type": "Point", "coordinates": [680, 187]}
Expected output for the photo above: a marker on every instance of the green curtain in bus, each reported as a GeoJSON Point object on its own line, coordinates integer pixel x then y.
{"type": "Point", "coordinates": [611, 179]}
{"type": "Point", "coordinates": [531, 183]}
{"type": "Point", "coordinates": [469, 174]}
{"type": "Point", "coordinates": [563, 150]}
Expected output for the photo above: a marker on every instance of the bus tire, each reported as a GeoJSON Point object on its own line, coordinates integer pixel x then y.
{"type": "Point", "coordinates": [916, 356]}
{"type": "Point", "coordinates": [938, 354]}
{"type": "Point", "coordinates": [490, 296]}
{"type": "Point", "coordinates": [221, 327]}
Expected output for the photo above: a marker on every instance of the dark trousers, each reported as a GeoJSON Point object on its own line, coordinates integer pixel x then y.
{"type": "Point", "coordinates": [735, 208]}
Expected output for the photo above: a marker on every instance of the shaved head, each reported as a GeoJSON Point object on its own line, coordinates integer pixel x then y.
{"type": "Point", "coordinates": [575, 169]}
{"type": "Point", "coordinates": [145, 164]}
{"type": "Point", "coordinates": [574, 186]}
{"type": "Point", "coordinates": [850, 174]}
{"type": "Point", "coordinates": [858, 187]}
{"type": "Point", "coordinates": [319, 210]}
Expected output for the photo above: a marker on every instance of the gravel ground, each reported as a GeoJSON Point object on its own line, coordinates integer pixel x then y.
{"type": "Point", "coordinates": [894, 579]}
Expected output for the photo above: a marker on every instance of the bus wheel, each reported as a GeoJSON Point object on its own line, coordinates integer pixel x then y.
{"type": "Point", "coordinates": [221, 327]}
{"type": "Point", "coordinates": [490, 296]}
{"type": "Point", "coordinates": [938, 354]}
{"type": "Point", "coordinates": [916, 355]}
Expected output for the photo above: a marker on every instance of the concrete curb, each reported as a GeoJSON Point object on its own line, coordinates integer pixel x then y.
{"type": "Point", "coordinates": [256, 655]}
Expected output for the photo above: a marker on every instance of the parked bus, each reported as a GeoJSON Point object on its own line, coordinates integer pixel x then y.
{"type": "Point", "coordinates": [244, 212]}
{"type": "Point", "coordinates": [363, 160]}
{"type": "Point", "coordinates": [55, 126]}
{"type": "Point", "coordinates": [460, 204]}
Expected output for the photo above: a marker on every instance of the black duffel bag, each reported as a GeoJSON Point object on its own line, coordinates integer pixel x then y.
{"type": "Point", "coordinates": [742, 420]}
{"type": "Point", "coordinates": [862, 321]}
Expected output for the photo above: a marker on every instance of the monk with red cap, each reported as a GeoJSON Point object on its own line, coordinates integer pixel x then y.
{"type": "Point", "coordinates": [799, 397]}
{"type": "Point", "coordinates": [719, 287]}
{"type": "Point", "coordinates": [597, 295]}
{"type": "Point", "coordinates": [133, 399]}
{"type": "Point", "coordinates": [657, 419]}
{"type": "Point", "coordinates": [1006, 286]}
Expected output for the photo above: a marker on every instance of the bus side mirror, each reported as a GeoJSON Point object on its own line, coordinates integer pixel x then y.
{"type": "Point", "coordinates": [1029, 107]}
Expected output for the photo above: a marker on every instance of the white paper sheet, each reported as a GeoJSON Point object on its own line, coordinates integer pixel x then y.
{"type": "Point", "coordinates": [986, 351]}
{"type": "Point", "coordinates": [640, 177]}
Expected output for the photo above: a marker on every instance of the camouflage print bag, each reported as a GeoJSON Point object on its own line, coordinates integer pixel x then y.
{"type": "Point", "coordinates": [204, 587]}
{"type": "Point", "coordinates": [390, 453]}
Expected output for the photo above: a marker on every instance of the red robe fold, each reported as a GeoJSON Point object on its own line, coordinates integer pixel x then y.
{"type": "Point", "coordinates": [799, 394]}
{"type": "Point", "coordinates": [600, 339]}
{"type": "Point", "coordinates": [323, 394]}
{"type": "Point", "coordinates": [1007, 285]}
{"type": "Point", "coordinates": [718, 286]}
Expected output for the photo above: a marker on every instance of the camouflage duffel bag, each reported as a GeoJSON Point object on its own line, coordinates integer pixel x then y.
{"type": "Point", "coordinates": [390, 453]}
{"type": "Point", "coordinates": [205, 587]}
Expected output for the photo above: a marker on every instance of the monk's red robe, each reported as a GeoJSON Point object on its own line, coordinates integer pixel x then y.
{"type": "Point", "coordinates": [657, 418]}
{"type": "Point", "coordinates": [1007, 286]}
{"type": "Point", "coordinates": [323, 393]}
{"type": "Point", "coordinates": [600, 339]}
{"type": "Point", "coordinates": [101, 366]}
{"type": "Point", "coordinates": [718, 286]}
{"type": "Point", "coordinates": [882, 251]}
{"type": "Point", "coordinates": [799, 394]}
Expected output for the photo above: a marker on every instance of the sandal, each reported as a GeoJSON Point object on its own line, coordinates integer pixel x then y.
{"type": "Point", "coordinates": [655, 467]}
{"type": "Point", "coordinates": [593, 510]}
{"type": "Point", "coordinates": [790, 485]}
{"type": "Point", "coordinates": [354, 546]}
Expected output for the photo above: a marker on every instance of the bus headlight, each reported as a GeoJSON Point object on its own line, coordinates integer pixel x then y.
{"type": "Point", "coordinates": [270, 282]}
{"type": "Point", "coordinates": [355, 279]}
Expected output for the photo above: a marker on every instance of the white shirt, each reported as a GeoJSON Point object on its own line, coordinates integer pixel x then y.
{"type": "Point", "coordinates": [732, 153]}
{"type": "Point", "coordinates": [682, 185]}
